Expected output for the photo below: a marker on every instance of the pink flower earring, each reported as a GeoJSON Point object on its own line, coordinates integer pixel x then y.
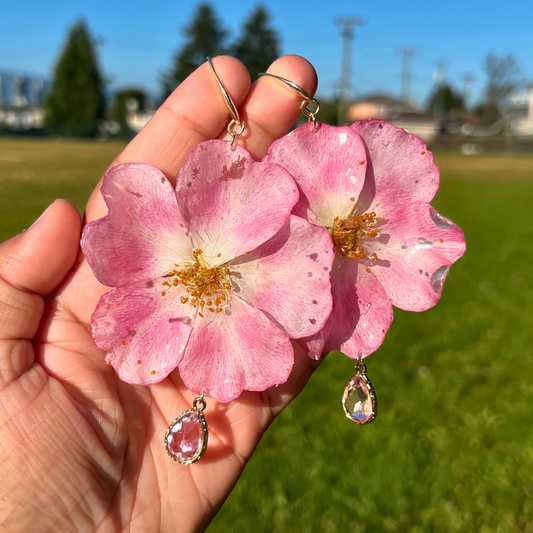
{"type": "Point", "coordinates": [212, 277]}
{"type": "Point", "coordinates": [369, 185]}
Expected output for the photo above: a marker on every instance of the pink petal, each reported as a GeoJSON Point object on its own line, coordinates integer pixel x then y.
{"type": "Point", "coordinates": [415, 250]}
{"type": "Point", "coordinates": [231, 352]}
{"type": "Point", "coordinates": [143, 234]}
{"type": "Point", "coordinates": [315, 343]}
{"type": "Point", "coordinates": [362, 312]}
{"type": "Point", "coordinates": [144, 332]}
{"type": "Point", "coordinates": [233, 204]}
{"type": "Point", "coordinates": [329, 166]}
{"type": "Point", "coordinates": [400, 168]}
{"type": "Point", "coordinates": [288, 277]}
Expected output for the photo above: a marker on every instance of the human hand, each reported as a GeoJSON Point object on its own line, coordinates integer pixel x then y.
{"type": "Point", "coordinates": [81, 450]}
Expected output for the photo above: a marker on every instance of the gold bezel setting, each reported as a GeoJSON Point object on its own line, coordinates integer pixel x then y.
{"type": "Point", "coordinates": [205, 435]}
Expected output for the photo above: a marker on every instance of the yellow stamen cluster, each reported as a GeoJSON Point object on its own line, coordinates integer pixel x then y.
{"type": "Point", "coordinates": [348, 232]}
{"type": "Point", "coordinates": [207, 287]}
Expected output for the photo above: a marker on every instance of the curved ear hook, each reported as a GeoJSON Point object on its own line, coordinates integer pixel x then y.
{"type": "Point", "coordinates": [306, 97]}
{"type": "Point", "coordinates": [235, 122]}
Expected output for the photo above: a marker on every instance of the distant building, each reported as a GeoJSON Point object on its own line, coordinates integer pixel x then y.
{"type": "Point", "coordinates": [19, 90]}
{"type": "Point", "coordinates": [375, 106]}
{"type": "Point", "coordinates": [519, 113]}
{"type": "Point", "coordinates": [136, 119]}
{"type": "Point", "coordinates": [22, 100]}
{"type": "Point", "coordinates": [393, 110]}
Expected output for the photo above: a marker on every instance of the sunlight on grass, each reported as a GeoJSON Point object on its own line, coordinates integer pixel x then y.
{"type": "Point", "coordinates": [451, 450]}
{"type": "Point", "coordinates": [33, 173]}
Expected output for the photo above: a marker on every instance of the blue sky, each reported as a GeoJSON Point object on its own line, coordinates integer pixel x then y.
{"type": "Point", "coordinates": [141, 37]}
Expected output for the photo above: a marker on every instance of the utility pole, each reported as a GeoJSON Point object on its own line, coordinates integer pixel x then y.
{"type": "Point", "coordinates": [438, 78]}
{"type": "Point", "coordinates": [100, 41]}
{"type": "Point", "coordinates": [408, 54]}
{"type": "Point", "coordinates": [468, 80]}
{"type": "Point", "coordinates": [347, 24]}
{"type": "Point", "coordinates": [440, 72]}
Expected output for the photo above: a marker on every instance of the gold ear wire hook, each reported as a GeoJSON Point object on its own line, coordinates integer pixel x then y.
{"type": "Point", "coordinates": [235, 122]}
{"type": "Point", "coordinates": [306, 97]}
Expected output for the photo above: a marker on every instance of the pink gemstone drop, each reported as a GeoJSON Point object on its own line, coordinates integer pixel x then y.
{"type": "Point", "coordinates": [357, 399]}
{"type": "Point", "coordinates": [186, 437]}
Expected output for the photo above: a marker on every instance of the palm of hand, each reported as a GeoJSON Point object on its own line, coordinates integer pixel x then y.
{"type": "Point", "coordinates": [81, 450]}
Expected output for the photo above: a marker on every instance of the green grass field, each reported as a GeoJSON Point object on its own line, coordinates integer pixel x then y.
{"type": "Point", "coordinates": [452, 448]}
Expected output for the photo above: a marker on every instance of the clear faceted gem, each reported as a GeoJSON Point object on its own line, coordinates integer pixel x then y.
{"type": "Point", "coordinates": [359, 400]}
{"type": "Point", "coordinates": [186, 437]}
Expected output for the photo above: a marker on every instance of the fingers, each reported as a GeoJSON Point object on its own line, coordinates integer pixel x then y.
{"type": "Point", "coordinates": [32, 265]}
{"type": "Point", "coordinates": [193, 113]}
{"type": "Point", "coordinates": [271, 108]}
{"type": "Point", "coordinates": [196, 111]}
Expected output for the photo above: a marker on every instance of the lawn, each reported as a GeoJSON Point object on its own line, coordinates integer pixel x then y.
{"type": "Point", "coordinates": [33, 173]}
{"type": "Point", "coordinates": [452, 449]}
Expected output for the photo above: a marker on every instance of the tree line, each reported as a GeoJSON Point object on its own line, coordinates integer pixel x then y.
{"type": "Point", "coordinates": [76, 102]}
{"type": "Point", "coordinates": [503, 78]}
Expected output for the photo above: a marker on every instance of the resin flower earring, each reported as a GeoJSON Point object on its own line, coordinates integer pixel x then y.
{"type": "Point", "coordinates": [212, 277]}
{"type": "Point", "coordinates": [370, 185]}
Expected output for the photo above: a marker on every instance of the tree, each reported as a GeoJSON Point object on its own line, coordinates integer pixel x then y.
{"type": "Point", "coordinates": [445, 100]}
{"type": "Point", "coordinates": [204, 37]}
{"type": "Point", "coordinates": [76, 99]}
{"type": "Point", "coordinates": [258, 45]}
{"type": "Point", "coordinates": [128, 100]}
{"type": "Point", "coordinates": [502, 78]}
{"type": "Point", "coordinates": [488, 113]}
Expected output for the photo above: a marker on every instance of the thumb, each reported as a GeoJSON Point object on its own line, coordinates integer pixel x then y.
{"type": "Point", "coordinates": [38, 259]}
{"type": "Point", "coordinates": [32, 265]}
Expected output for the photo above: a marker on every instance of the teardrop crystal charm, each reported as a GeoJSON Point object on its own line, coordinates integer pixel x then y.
{"type": "Point", "coordinates": [186, 437]}
{"type": "Point", "coordinates": [359, 400]}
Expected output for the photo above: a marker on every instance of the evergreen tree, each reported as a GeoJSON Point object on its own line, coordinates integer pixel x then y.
{"type": "Point", "coordinates": [258, 45]}
{"type": "Point", "coordinates": [204, 37]}
{"type": "Point", "coordinates": [76, 99]}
